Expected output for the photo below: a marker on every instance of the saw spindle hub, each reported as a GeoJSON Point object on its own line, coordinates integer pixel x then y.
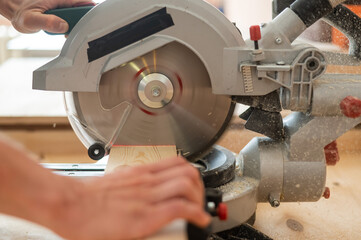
{"type": "Point", "coordinates": [155, 90]}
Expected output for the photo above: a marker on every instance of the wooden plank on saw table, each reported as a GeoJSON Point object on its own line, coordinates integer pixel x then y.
{"type": "Point", "coordinates": [121, 156]}
{"type": "Point", "coordinates": [138, 155]}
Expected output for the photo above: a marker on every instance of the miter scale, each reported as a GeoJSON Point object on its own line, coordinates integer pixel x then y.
{"type": "Point", "coordinates": [169, 72]}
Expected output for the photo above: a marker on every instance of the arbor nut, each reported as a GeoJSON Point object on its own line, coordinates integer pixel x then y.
{"type": "Point", "coordinates": [351, 107]}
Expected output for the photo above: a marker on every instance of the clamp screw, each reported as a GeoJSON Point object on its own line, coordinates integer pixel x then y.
{"type": "Point", "coordinates": [351, 107]}
{"type": "Point", "coordinates": [278, 40]}
{"type": "Point", "coordinates": [275, 203]}
{"type": "Point", "coordinates": [331, 154]}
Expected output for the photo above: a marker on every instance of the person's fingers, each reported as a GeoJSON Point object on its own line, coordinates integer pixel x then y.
{"type": "Point", "coordinates": [31, 22]}
{"type": "Point", "coordinates": [118, 182]}
{"type": "Point", "coordinates": [181, 187]}
{"type": "Point", "coordinates": [81, 2]}
{"type": "Point", "coordinates": [166, 212]}
{"type": "Point", "coordinates": [185, 170]}
{"type": "Point", "coordinates": [152, 187]}
{"type": "Point", "coordinates": [164, 164]}
{"type": "Point", "coordinates": [131, 177]}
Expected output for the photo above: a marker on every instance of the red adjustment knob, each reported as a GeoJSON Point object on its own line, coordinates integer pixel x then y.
{"type": "Point", "coordinates": [326, 193]}
{"type": "Point", "coordinates": [351, 107]}
{"type": "Point", "coordinates": [255, 32]}
{"type": "Point", "coordinates": [331, 154]}
{"type": "Point", "coordinates": [222, 211]}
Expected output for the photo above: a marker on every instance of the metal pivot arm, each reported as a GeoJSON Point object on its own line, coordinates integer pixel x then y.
{"type": "Point", "coordinates": [278, 68]}
{"type": "Point", "coordinates": [294, 169]}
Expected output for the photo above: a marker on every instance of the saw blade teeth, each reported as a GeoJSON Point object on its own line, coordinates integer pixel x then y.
{"type": "Point", "coordinates": [177, 77]}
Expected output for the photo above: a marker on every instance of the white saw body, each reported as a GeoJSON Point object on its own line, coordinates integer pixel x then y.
{"type": "Point", "coordinates": [150, 91]}
{"type": "Point", "coordinates": [169, 72]}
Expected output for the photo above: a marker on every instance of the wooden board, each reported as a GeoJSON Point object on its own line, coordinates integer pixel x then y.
{"type": "Point", "coordinates": [121, 156]}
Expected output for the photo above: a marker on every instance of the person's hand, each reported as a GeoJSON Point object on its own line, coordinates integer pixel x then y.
{"type": "Point", "coordinates": [133, 202]}
{"type": "Point", "coordinates": [129, 203]}
{"type": "Point", "coordinates": [27, 15]}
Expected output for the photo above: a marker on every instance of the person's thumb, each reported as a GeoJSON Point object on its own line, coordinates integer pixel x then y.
{"type": "Point", "coordinates": [33, 22]}
{"type": "Point", "coordinates": [57, 26]}
{"type": "Point", "coordinates": [51, 23]}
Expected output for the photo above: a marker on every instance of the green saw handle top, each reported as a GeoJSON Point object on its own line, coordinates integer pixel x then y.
{"type": "Point", "coordinates": [71, 15]}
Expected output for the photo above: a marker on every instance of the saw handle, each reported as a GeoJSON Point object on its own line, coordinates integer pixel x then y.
{"type": "Point", "coordinates": [311, 11]}
{"type": "Point", "coordinates": [71, 15]}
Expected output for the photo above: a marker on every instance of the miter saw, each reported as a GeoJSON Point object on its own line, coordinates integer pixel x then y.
{"type": "Point", "coordinates": [169, 72]}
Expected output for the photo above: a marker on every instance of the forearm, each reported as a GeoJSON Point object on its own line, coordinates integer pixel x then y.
{"type": "Point", "coordinates": [29, 191]}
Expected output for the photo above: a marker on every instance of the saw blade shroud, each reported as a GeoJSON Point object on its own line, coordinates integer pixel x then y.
{"type": "Point", "coordinates": [161, 98]}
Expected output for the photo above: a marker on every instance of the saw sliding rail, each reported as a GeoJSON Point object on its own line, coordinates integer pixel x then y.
{"type": "Point", "coordinates": [77, 170]}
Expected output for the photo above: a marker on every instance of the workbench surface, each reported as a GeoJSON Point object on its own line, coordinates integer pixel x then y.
{"type": "Point", "coordinates": [336, 218]}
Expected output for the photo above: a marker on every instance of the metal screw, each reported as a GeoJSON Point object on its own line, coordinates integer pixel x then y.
{"type": "Point", "coordinates": [312, 64]}
{"type": "Point", "coordinates": [275, 203]}
{"type": "Point", "coordinates": [156, 91]}
{"type": "Point", "coordinates": [278, 40]}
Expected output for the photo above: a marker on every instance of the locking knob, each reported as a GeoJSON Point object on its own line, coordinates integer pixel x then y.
{"type": "Point", "coordinates": [331, 154]}
{"type": "Point", "coordinates": [351, 107]}
{"type": "Point", "coordinates": [222, 211]}
{"type": "Point", "coordinates": [255, 33]}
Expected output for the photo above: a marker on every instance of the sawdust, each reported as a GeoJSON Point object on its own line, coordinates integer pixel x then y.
{"type": "Point", "coordinates": [237, 187]}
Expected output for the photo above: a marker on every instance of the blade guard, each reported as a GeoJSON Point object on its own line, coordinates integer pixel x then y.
{"type": "Point", "coordinates": [189, 29]}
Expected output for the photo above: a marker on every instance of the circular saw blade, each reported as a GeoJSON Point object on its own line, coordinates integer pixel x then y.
{"type": "Point", "coordinates": [192, 120]}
